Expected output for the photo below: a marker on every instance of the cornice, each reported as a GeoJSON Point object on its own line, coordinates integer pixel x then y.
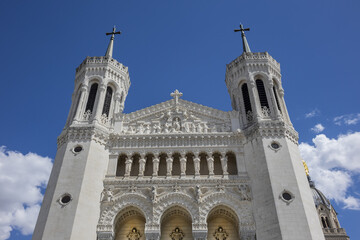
{"type": "Point", "coordinates": [271, 129]}
{"type": "Point", "coordinates": [83, 134]}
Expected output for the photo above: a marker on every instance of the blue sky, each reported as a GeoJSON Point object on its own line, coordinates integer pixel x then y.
{"type": "Point", "coordinates": [186, 45]}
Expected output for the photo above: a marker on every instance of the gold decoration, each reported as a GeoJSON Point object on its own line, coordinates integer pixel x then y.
{"type": "Point", "coordinates": [177, 234]}
{"type": "Point", "coordinates": [220, 234]}
{"type": "Point", "coordinates": [306, 168]}
{"type": "Point", "coordinates": [134, 234]}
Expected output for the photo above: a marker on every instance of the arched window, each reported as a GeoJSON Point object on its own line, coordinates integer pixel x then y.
{"type": "Point", "coordinates": [323, 222]}
{"type": "Point", "coordinates": [245, 93]}
{"type": "Point", "coordinates": [91, 98]}
{"type": "Point", "coordinates": [107, 102]}
{"type": "Point", "coordinates": [276, 97]}
{"type": "Point", "coordinates": [262, 93]}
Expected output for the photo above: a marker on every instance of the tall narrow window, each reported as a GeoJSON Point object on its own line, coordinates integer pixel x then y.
{"type": "Point", "coordinates": [262, 93]}
{"type": "Point", "coordinates": [91, 98]}
{"type": "Point", "coordinates": [276, 98]}
{"type": "Point", "coordinates": [245, 93]}
{"type": "Point", "coordinates": [107, 102]}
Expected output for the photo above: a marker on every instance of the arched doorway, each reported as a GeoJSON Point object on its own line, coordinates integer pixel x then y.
{"type": "Point", "coordinates": [222, 224]}
{"type": "Point", "coordinates": [130, 224]}
{"type": "Point", "coordinates": [176, 223]}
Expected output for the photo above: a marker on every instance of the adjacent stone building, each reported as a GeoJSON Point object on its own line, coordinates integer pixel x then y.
{"type": "Point", "coordinates": [178, 169]}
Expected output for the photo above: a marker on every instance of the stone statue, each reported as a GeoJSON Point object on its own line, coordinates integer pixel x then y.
{"type": "Point", "coordinates": [198, 193]}
{"type": "Point", "coordinates": [176, 124]}
{"type": "Point", "coordinates": [155, 166]}
{"type": "Point", "coordinates": [224, 161]}
{"type": "Point", "coordinates": [157, 128]}
{"type": "Point", "coordinates": [183, 165]}
{"type": "Point", "coordinates": [210, 161]}
{"type": "Point", "coordinates": [106, 195]}
{"type": "Point", "coordinates": [142, 162]}
{"type": "Point", "coordinates": [153, 193]}
{"type": "Point", "coordinates": [128, 164]}
{"type": "Point", "coordinates": [169, 162]}
{"type": "Point", "coordinates": [197, 165]}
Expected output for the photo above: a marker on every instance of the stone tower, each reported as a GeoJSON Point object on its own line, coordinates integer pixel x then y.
{"type": "Point", "coordinates": [178, 170]}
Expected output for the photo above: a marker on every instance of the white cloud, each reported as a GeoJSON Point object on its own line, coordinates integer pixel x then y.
{"type": "Point", "coordinates": [333, 164]}
{"type": "Point", "coordinates": [348, 119]}
{"type": "Point", "coordinates": [313, 113]}
{"type": "Point", "coordinates": [21, 180]}
{"type": "Point", "coordinates": [318, 128]}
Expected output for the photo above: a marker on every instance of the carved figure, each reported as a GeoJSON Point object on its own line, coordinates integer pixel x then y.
{"type": "Point", "coordinates": [134, 234]}
{"type": "Point", "coordinates": [140, 128]}
{"type": "Point", "coordinates": [147, 129]}
{"type": "Point", "coordinates": [220, 234]}
{"type": "Point", "coordinates": [157, 128]}
{"type": "Point", "coordinates": [169, 164]}
{"type": "Point", "coordinates": [210, 161]}
{"type": "Point", "coordinates": [142, 162]}
{"type": "Point", "coordinates": [183, 165]}
{"type": "Point", "coordinates": [176, 124]}
{"type": "Point", "coordinates": [156, 166]}
{"type": "Point", "coordinates": [128, 164]}
{"type": "Point", "coordinates": [153, 193]}
{"type": "Point", "coordinates": [198, 193]}
{"type": "Point", "coordinates": [106, 195]}
{"type": "Point", "coordinates": [244, 192]}
{"type": "Point", "coordinates": [187, 127]}
{"type": "Point", "coordinates": [177, 234]}
{"type": "Point", "coordinates": [224, 164]}
{"type": "Point", "coordinates": [197, 165]}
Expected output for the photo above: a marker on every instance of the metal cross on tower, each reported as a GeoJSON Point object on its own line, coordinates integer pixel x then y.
{"type": "Point", "coordinates": [246, 47]}
{"type": "Point", "coordinates": [109, 50]}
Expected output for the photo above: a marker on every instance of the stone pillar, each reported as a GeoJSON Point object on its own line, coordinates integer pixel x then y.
{"type": "Point", "coordinates": [200, 234]}
{"type": "Point", "coordinates": [112, 166]}
{"type": "Point", "coordinates": [210, 162]}
{"type": "Point", "coordinates": [99, 102]}
{"type": "Point", "coordinates": [224, 164]}
{"type": "Point", "coordinates": [183, 165]}
{"type": "Point", "coordinates": [105, 236]}
{"type": "Point", "coordinates": [240, 162]}
{"type": "Point", "coordinates": [117, 103]}
{"type": "Point", "coordinates": [81, 104]}
{"type": "Point", "coordinates": [142, 162]}
{"type": "Point", "coordinates": [197, 165]}
{"type": "Point", "coordinates": [255, 104]}
{"type": "Point", "coordinates": [169, 165]}
{"type": "Point", "coordinates": [128, 164]}
{"type": "Point", "coordinates": [156, 161]}
{"type": "Point", "coordinates": [153, 234]}
{"type": "Point", "coordinates": [273, 105]}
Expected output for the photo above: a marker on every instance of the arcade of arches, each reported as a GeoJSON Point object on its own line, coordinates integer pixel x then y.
{"type": "Point", "coordinates": [176, 224]}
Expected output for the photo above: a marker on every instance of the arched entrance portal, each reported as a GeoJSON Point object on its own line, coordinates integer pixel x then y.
{"type": "Point", "coordinates": [130, 224]}
{"type": "Point", "coordinates": [176, 224]}
{"type": "Point", "coordinates": [222, 224]}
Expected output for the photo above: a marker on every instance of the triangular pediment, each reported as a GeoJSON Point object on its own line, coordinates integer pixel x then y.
{"type": "Point", "coordinates": [175, 116]}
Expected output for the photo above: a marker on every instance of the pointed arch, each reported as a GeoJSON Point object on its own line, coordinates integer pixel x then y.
{"type": "Point", "coordinates": [262, 93]}
{"type": "Point", "coordinates": [92, 96]}
{"type": "Point", "coordinates": [246, 98]}
{"type": "Point", "coordinates": [107, 101]}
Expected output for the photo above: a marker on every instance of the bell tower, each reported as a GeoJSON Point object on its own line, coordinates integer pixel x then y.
{"type": "Point", "coordinates": [282, 199]}
{"type": "Point", "coordinates": [71, 202]}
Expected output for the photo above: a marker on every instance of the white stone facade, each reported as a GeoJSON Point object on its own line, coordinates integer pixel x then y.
{"type": "Point", "coordinates": [178, 170]}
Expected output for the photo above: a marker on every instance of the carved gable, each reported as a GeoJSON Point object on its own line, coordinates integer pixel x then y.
{"type": "Point", "coordinates": [175, 116]}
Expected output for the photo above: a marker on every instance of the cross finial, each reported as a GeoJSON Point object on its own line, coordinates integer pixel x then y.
{"type": "Point", "coordinates": [109, 50]}
{"type": "Point", "coordinates": [246, 47]}
{"type": "Point", "coordinates": [176, 95]}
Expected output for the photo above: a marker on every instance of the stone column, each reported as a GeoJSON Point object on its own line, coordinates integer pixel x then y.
{"type": "Point", "coordinates": [273, 105]}
{"type": "Point", "coordinates": [152, 232]}
{"type": "Point", "coordinates": [197, 165]}
{"type": "Point", "coordinates": [112, 166]}
{"type": "Point", "coordinates": [200, 234]}
{"type": "Point", "coordinates": [183, 165]}
{"type": "Point", "coordinates": [255, 104]}
{"type": "Point", "coordinates": [156, 161]}
{"type": "Point", "coordinates": [117, 102]}
{"type": "Point", "coordinates": [169, 165]}
{"type": "Point", "coordinates": [99, 104]}
{"type": "Point", "coordinates": [128, 164]}
{"type": "Point", "coordinates": [142, 162]}
{"type": "Point", "coordinates": [105, 235]}
{"type": "Point", "coordinates": [210, 162]}
{"type": "Point", "coordinates": [224, 164]}
{"type": "Point", "coordinates": [81, 104]}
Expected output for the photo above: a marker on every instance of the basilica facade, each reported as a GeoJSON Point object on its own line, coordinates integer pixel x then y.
{"type": "Point", "coordinates": [178, 169]}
